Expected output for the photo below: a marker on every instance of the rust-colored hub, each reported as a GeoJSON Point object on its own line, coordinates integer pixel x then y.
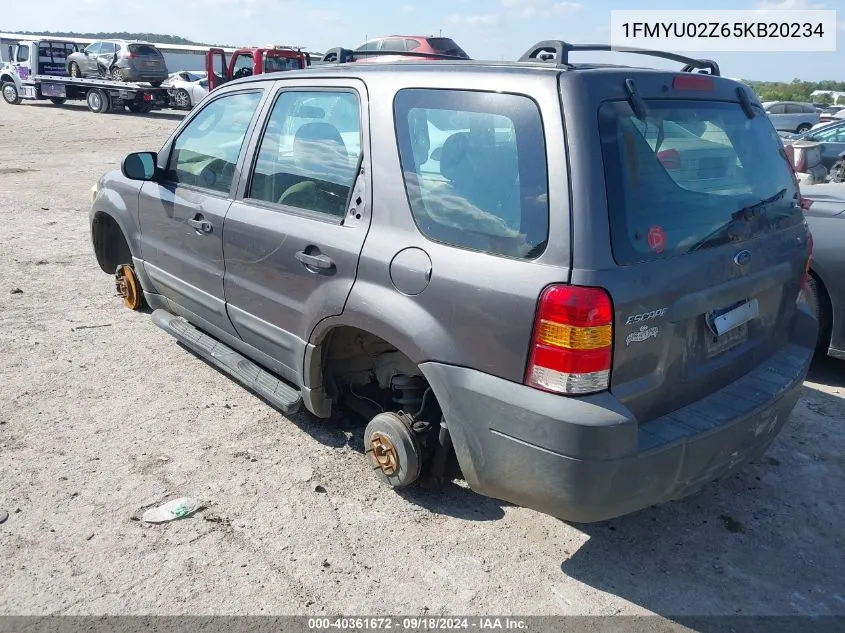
{"type": "Point", "coordinates": [383, 454]}
{"type": "Point", "coordinates": [127, 287]}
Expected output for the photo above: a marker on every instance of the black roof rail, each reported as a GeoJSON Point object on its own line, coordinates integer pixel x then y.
{"type": "Point", "coordinates": [557, 51]}
{"type": "Point", "coordinates": [340, 55]}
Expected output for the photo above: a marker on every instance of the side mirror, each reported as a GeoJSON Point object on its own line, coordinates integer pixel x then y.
{"type": "Point", "coordinates": [437, 153]}
{"type": "Point", "coordinates": [85, 52]}
{"type": "Point", "coordinates": [139, 166]}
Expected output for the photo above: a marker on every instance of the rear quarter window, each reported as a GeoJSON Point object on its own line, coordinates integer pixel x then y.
{"type": "Point", "coordinates": [474, 165]}
{"type": "Point", "coordinates": [678, 177]}
{"type": "Point", "coordinates": [144, 50]}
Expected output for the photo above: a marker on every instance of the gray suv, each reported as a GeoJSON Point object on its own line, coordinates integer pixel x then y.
{"type": "Point", "coordinates": [119, 60]}
{"type": "Point", "coordinates": [792, 116]}
{"type": "Point", "coordinates": [541, 285]}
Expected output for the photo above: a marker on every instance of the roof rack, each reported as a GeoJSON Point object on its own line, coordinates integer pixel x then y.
{"type": "Point", "coordinates": [557, 51]}
{"type": "Point", "coordinates": [342, 55]}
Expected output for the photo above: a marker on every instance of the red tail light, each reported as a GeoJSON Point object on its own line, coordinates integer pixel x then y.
{"type": "Point", "coordinates": [572, 344]}
{"type": "Point", "coordinates": [692, 82]}
{"type": "Point", "coordinates": [128, 55]}
{"type": "Point", "coordinates": [669, 158]}
{"type": "Point", "coordinates": [148, 96]}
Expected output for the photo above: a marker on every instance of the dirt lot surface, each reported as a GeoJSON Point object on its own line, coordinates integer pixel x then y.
{"type": "Point", "coordinates": [102, 414]}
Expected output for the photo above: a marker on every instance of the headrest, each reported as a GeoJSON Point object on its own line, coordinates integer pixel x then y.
{"type": "Point", "coordinates": [320, 131]}
{"type": "Point", "coordinates": [453, 154]}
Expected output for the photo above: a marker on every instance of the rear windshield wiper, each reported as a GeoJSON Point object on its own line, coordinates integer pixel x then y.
{"type": "Point", "coordinates": [740, 223]}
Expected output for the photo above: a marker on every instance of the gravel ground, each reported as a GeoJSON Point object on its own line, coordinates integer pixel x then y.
{"type": "Point", "coordinates": [103, 414]}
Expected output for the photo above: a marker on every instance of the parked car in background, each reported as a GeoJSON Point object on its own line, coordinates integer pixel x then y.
{"type": "Point", "coordinates": [825, 289]}
{"type": "Point", "coordinates": [120, 60]}
{"type": "Point", "coordinates": [187, 88]}
{"type": "Point", "coordinates": [829, 113]}
{"type": "Point", "coordinates": [791, 116]}
{"type": "Point", "coordinates": [830, 135]}
{"type": "Point", "coordinates": [415, 43]}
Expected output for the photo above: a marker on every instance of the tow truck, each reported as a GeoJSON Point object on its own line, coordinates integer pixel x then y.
{"type": "Point", "coordinates": [245, 62]}
{"type": "Point", "coordinates": [36, 71]}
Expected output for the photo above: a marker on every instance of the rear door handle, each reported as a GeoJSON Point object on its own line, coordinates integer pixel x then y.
{"type": "Point", "coordinates": [200, 225]}
{"type": "Point", "coordinates": [315, 261]}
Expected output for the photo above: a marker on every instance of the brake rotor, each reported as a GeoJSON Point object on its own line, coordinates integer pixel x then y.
{"type": "Point", "coordinates": [126, 283]}
{"type": "Point", "coordinates": [392, 450]}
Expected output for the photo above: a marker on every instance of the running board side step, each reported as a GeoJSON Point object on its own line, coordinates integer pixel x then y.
{"type": "Point", "coordinates": [278, 393]}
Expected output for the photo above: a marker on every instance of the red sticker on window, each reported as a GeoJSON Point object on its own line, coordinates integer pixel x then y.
{"type": "Point", "coordinates": [656, 239]}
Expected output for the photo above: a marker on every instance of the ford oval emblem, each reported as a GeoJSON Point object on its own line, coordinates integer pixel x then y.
{"type": "Point", "coordinates": [742, 257]}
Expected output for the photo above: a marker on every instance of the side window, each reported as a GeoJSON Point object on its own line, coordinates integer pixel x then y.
{"type": "Point", "coordinates": [242, 66]}
{"type": "Point", "coordinates": [836, 135]}
{"type": "Point", "coordinates": [778, 108]}
{"type": "Point", "coordinates": [411, 45]}
{"type": "Point", "coordinates": [206, 151]}
{"type": "Point", "coordinates": [107, 48]}
{"type": "Point", "coordinates": [794, 108]}
{"type": "Point", "coordinates": [93, 49]}
{"type": "Point", "coordinates": [22, 54]}
{"type": "Point", "coordinates": [475, 169]}
{"type": "Point", "coordinates": [393, 44]}
{"type": "Point", "coordinates": [372, 45]}
{"type": "Point", "coordinates": [308, 158]}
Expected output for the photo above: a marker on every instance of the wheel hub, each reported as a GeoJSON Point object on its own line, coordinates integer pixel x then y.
{"type": "Point", "coordinates": [383, 454]}
{"type": "Point", "coordinates": [127, 287]}
{"type": "Point", "coordinates": [9, 92]}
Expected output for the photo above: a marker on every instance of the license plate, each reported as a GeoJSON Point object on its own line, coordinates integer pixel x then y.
{"type": "Point", "coordinates": [723, 321]}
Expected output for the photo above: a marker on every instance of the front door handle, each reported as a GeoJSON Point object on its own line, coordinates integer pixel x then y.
{"type": "Point", "coordinates": [200, 225]}
{"type": "Point", "coordinates": [315, 261]}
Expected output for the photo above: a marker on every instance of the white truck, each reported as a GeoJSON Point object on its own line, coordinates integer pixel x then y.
{"type": "Point", "coordinates": [37, 70]}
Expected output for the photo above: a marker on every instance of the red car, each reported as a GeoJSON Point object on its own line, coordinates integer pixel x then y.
{"type": "Point", "coordinates": [415, 43]}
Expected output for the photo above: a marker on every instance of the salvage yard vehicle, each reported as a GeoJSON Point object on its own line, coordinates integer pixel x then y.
{"type": "Point", "coordinates": [38, 73]}
{"type": "Point", "coordinates": [187, 88]}
{"type": "Point", "coordinates": [246, 62]}
{"type": "Point", "coordinates": [581, 328]}
{"type": "Point", "coordinates": [121, 60]}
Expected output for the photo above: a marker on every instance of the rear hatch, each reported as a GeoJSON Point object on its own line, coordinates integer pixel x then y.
{"type": "Point", "coordinates": [708, 245]}
{"type": "Point", "coordinates": [147, 58]}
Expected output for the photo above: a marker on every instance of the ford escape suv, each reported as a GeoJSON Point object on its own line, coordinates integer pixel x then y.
{"type": "Point", "coordinates": [576, 283]}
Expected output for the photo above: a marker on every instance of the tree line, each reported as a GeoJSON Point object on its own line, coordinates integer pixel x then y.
{"type": "Point", "coordinates": [123, 35]}
{"type": "Point", "coordinates": [796, 90]}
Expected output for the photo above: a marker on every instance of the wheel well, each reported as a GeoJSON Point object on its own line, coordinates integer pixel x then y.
{"type": "Point", "coordinates": [825, 307]}
{"type": "Point", "coordinates": [369, 374]}
{"type": "Point", "coordinates": [6, 78]}
{"type": "Point", "coordinates": [110, 245]}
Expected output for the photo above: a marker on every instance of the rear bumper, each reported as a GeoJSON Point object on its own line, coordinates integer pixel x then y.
{"type": "Point", "coordinates": [587, 459]}
{"type": "Point", "coordinates": [138, 75]}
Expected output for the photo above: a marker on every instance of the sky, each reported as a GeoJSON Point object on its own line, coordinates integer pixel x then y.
{"type": "Point", "coordinates": [486, 29]}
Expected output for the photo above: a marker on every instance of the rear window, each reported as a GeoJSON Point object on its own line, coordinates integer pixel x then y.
{"type": "Point", "coordinates": [446, 46]}
{"type": "Point", "coordinates": [475, 169]}
{"type": "Point", "coordinates": [677, 181]}
{"type": "Point", "coordinates": [144, 50]}
{"type": "Point", "coordinates": [273, 64]}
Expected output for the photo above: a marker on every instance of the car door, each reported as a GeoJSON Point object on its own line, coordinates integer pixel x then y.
{"type": "Point", "coordinates": [833, 144]}
{"type": "Point", "coordinates": [105, 58]}
{"type": "Point", "coordinates": [88, 61]}
{"type": "Point", "coordinates": [182, 211]}
{"type": "Point", "coordinates": [294, 233]}
{"type": "Point", "coordinates": [777, 115]}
